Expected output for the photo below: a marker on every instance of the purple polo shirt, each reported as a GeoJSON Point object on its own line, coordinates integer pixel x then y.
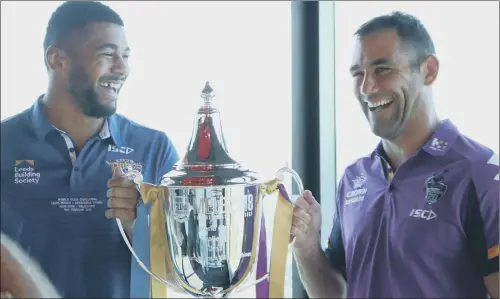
{"type": "Point", "coordinates": [430, 232]}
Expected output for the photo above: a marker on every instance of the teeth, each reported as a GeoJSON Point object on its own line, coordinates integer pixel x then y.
{"type": "Point", "coordinates": [379, 103]}
{"type": "Point", "coordinates": [113, 85]}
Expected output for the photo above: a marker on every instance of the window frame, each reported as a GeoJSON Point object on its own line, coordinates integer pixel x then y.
{"type": "Point", "coordinates": [313, 110]}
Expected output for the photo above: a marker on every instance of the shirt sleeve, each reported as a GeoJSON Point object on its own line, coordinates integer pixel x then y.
{"type": "Point", "coordinates": [482, 223]}
{"type": "Point", "coordinates": [167, 158]}
{"type": "Point", "coordinates": [335, 247]}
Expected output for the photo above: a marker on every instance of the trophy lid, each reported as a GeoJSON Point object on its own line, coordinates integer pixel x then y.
{"type": "Point", "coordinates": [207, 161]}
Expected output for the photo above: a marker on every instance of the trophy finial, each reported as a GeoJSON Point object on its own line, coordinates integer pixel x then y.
{"type": "Point", "coordinates": [207, 93]}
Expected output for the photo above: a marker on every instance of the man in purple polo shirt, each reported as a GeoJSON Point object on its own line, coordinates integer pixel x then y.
{"type": "Point", "coordinates": [417, 217]}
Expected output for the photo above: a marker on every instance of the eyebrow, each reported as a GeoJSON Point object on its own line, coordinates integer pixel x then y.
{"type": "Point", "coordinates": [376, 62]}
{"type": "Point", "coordinates": [110, 46]}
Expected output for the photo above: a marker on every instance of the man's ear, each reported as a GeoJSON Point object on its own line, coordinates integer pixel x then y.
{"type": "Point", "coordinates": [56, 59]}
{"type": "Point", "coordinates": [430, 69]}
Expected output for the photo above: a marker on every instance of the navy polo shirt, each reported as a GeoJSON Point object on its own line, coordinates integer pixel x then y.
{"type": "Point", "coordinates": [55, 200]}
{"type": "Point", "coordinates": [430, 232]}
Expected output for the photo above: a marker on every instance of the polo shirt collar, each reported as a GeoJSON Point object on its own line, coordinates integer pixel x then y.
{"type": "Point", "coordinates": [42, 126]}
{"type": "Point", "coordinates": [439, 143]}
{"type": "Point", "coordinates": [442, 140]}
{"type": "Point", "coordinates": [113, 129]}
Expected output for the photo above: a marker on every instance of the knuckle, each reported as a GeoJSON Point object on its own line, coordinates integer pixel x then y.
{"type": "Point", "coordinates": [131, 203]}
{"type": "Point", "coordinates": [113, 182]}
{"type": "Point", "coordinates": [128, 214]}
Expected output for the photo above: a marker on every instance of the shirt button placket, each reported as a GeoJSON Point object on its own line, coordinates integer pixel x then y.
{"type": "Point", "coordinates": [389, 197]}
{"type": "Point", "coordinates": [72, 154]}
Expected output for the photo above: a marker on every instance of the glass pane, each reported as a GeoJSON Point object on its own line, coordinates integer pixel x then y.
{"type": "Point", "coordinates": [242, 48]}
{"type": "Point", "coordinates": [466, 90]}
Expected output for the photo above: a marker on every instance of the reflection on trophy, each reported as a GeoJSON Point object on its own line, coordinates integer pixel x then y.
{"type": "Point", "coordinates": [207, 233]}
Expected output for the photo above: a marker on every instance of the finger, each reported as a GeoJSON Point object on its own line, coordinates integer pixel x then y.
{"type": "Point", "coordinates": [300, 225]}
{"type": "Point", "coordinates": [308, 196]}
{"type": "Point", "coordinates": [118, 172]}
{"type": "Point", "coordinates": [121, 203]}
{"type": "Point", "coordinates": [121, 182]}
{"type": "Point", "coordinates": [297, 233]}
{"type": "Point", "coordinates": [122, 193]}
{"type": "Point", "coordinates": [302, 203]}
{"type": "Point", "coordinates": [302, 215]}
{"type": "Point", "coordinates": [122, 214]}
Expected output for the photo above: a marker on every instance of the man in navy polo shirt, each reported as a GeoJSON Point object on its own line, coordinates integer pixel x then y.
{"type": "Point", "coordinates": [57, 160]}
{"type": "Point", "coordinates": [418, 217]}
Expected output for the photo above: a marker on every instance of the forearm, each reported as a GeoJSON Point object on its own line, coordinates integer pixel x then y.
{"type": "Point", "coordinates": [319, 277]}
{"type": "Point", "coordinates": [492, 285]}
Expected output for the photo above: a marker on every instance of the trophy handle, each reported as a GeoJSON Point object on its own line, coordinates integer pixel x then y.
{"type": "Point", "coordinates": [137, 177]}
{"type": "Point", "coordinates": [141, 264]}
{"type": "Point", "coordinates": [271, 186]}
{"type": "Point", "coordinates": [298, 181]}
{"type": "Point", "coordinates": [294, 175]}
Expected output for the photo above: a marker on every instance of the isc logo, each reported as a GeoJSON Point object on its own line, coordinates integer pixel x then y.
{"type": "Point", "coordinates": [423, 214]}
{"type": "Point", "coordinates": [123, 150]}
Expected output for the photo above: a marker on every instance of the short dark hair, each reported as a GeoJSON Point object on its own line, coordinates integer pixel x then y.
{"type": "Point", "coordinates": [410, 30]}
{"type": "Point", "coordinates": [75, 15]}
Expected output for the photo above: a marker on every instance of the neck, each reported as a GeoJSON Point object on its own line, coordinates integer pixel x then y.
{"type": "Point", "coordinates": [418, 130]}
{"type": "Point", "coordinates": [63, 113]}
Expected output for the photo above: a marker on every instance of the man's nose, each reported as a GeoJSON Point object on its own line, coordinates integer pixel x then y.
{"type": "Point", "coordinates": [120, 66]}
{"type": "Point", "coordinates": [368, 86]}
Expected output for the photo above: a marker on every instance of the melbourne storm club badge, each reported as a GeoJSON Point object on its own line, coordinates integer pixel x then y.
{"type": "Point", "coordinates": [435, 189]}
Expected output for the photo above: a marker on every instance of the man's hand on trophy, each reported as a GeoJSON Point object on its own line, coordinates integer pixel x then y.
{"type": "Point", "coordinates": [122, 199]}
{"type": "Point", "coordinates": [306, 221]}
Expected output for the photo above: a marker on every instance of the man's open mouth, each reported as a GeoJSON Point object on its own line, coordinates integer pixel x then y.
{"type": "Point", "coordinates": [112, 85]}
{"type": "Point", "coordinates": [379, 105]}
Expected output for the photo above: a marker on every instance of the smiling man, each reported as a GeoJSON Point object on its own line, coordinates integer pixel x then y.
{"type": "Point", "coordinates": [417, 217]}
{"type": "Point", "coordinates": [58, 156]}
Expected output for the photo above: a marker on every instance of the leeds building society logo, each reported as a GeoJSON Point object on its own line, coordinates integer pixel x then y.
{"type": "Point", "coordinates": [438, 145]}
{"type": "Point", "coordinates": [24, 172]}
{"type": "Point", "coordinates": [358, 192]}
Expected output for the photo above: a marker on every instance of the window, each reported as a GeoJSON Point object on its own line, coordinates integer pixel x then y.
{"type": "Point", "coordinates": [242, 48]}
{"type": "Point", "coordinates": [465, 35]}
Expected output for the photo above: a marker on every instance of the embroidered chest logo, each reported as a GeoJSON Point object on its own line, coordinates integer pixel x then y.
{"type": "Point", "coordinates": [435, 189]}
{"type": "Point", "coordinates": [358, 192]}
{"type": "Point", "coordinates": [25, 173]}
{"type": "Point", "coordinates": [126, 165]}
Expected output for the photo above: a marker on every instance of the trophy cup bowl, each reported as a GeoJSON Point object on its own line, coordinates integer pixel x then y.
{"type": "Point", "coordinates": [205, 219]}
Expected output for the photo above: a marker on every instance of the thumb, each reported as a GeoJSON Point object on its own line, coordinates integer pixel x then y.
{"type": "Point", "coordinates": [118, 172]}
{"type": "Point", "coordinates": [308, 196]}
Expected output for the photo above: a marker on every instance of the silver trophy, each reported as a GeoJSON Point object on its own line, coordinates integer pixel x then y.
{"type": "Point", "coordinates": [205, 222]}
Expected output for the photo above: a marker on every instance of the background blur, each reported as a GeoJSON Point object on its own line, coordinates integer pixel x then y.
{"type": "Point", "coordinates": [280, 73]}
